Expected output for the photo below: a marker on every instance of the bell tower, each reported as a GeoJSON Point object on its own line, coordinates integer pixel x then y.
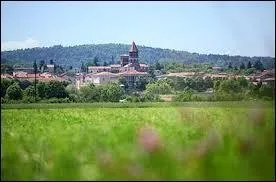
{"type": "Point", "coordinates": [133, 56]}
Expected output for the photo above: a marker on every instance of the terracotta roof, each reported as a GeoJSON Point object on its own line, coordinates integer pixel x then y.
{"type": "Point", "coordinates": [33, 75]}
{"type": "Point", "coordinates": [133, 47]}
{"type": "Point", "coordinates": [132, 72]}
{"type": "Point", "coordinates": [20, 74]}
{"type": "Point", "coordinates": [6, 76]}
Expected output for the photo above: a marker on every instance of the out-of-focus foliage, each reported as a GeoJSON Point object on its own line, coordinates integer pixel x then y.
{"type": "Point", "coordinates": [212, 141]}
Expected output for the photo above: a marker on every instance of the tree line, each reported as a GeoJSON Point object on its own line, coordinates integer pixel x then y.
{"type": "Point", "coordinates": [145, 89]}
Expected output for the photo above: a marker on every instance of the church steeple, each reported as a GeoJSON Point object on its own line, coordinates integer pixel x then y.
{"type": "Point", "coordinates": [133, 47]}
{"type": "Point", "coordinates": [133, 56]}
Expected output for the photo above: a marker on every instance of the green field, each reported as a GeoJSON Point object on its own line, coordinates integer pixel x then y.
{"type": "Point", "coordinates": [129, 141]}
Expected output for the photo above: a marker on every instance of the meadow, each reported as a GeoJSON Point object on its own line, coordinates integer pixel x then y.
{"type": "Point", "coordinates": [138, 141]}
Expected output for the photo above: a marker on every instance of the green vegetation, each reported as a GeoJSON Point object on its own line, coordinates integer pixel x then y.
{"type": "Point", "coordinates": [98, 54]}
{"type": "Point", "coordinates": [145, 89]}
{"type": "Point", "coordinates": [150, 141]}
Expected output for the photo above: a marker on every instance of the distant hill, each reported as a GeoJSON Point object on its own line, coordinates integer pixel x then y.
{"type": "Point", "coordinates": [74, 55]}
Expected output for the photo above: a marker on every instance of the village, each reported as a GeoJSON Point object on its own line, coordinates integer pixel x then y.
{"type": "Point", "coordinates": [130, 69]}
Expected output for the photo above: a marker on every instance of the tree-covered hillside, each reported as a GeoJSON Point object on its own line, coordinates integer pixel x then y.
{"type": "Point", "coordinates": [75, 55]}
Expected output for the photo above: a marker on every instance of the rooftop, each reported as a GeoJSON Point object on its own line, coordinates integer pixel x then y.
{"type": "Point", "coordinates": [182, 74]}
{"type": "Point", "coordinates": [99, 67]}
{"type": "Point", "coordinates": [133, 47]}
{"type": "Point", "coordinates": [105, 74]}
{"type": "Point", "coordinates": [132, 73]}
{"type": "Point", "coordinates": [144, 65]}
{"type": "Point", "coordinates": [115, 65]}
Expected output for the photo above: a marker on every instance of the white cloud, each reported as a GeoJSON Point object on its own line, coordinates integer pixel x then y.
{"type": "Point", "coordinates": [12, 45]}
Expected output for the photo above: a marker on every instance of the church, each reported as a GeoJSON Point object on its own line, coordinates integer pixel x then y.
{"type": "Point", "coordinates": [129, 68]}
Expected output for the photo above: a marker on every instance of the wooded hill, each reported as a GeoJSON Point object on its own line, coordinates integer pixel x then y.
{"type": "Point", "coordinates": [110, 53]}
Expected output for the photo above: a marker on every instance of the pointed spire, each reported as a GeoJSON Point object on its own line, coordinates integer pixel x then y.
{"type": "Point", "coordinates": [133, 47]}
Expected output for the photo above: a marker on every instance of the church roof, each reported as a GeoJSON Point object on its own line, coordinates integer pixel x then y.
{"type": "Point", "coordinates": [133, 47]}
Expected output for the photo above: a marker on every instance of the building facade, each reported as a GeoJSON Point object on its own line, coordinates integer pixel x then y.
{"type": "Point", "coordinates": [129, 68]}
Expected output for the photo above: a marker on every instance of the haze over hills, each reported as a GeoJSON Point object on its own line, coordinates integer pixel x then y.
{"type": "Point", "coordinates": [75, 55]}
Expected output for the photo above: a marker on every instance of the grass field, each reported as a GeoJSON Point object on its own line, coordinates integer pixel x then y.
{"type": "Point", "coordinates": [129, 141]}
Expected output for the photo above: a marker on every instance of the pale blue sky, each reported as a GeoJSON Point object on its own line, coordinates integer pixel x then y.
{"type": "Point", "coordinates": [234, 28]}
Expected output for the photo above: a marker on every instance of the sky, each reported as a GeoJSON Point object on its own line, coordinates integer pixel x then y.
{"type": "Point", "coordinates": [215, 27]}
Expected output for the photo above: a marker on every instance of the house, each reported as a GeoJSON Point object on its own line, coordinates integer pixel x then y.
{"type": "Point", "coordinates": [23, 69]}
{"type": "Point", "coordinates": [217, 68]}
{"type": "Point", "coordinates": [269, 81]}
{"type": "Point", "coordinates": [51, 68]}
{"type": "Point", "coordinates": [181, 74]}
{"type": "Point", "coordinates": [132, 75]}
{"type": "Point", "coordinates": [115, 68]}
{"type": "Point", "coordinates": [129, 67]}
{"type": "Point", "coordinates": [104, 78]}
{"type": "Point", "coordinates": [6, 76]}
{"type": "Point", "coordinates": [98, 69]}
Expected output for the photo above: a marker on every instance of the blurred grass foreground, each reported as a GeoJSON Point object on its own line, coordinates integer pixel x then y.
{"type": "Point", "coordinates": [200, 142]}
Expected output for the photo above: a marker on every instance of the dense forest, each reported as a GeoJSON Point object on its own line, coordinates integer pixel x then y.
{"type": "Point", "coordinates": [110, 53]}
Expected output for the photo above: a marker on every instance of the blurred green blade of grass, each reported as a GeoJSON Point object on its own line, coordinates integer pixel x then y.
{"type": "Point", "coordinates": [188, 141]}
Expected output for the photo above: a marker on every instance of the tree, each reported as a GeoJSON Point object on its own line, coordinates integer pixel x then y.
{"type": "Point", "coordinates": [111, 92]}
{"type": "Point", "coordinates": [51, 61]}
{"type": "Point", "coordinates": [5, 83]}
{"type": "Point", "coordinates": [95, 61]}
{"type": "Point", "coordinates": [24, 84]}
{"type": "Point", "coordinates": [159, 88]}
{"type": "Point", "coordinates": [151, 72]}
{"type": "Point", "coordinates": [90, 93]}
{"type": "Point", "coordinates": [9, 69]}
{"type": "Point", "coordinates": [249, 65]}
{"type": "Point", "coordinates": [141, 83]}
{"type": "Point", "coordinates": [14, 92]}
{"type": "Point", "coordinates": [35, 71]}
{"type": "Point", "coordinates": [242, 66]}
{"type": "Point", "coordinates": [41, 64]}
{"type": "Point", "coordinates": [258, 65]}
{"type": "Point", "coordinates": [158, 66]}
{"type": "Point", "coordinates": [70, 67]}
{"type": "Point", "coordinates": [230, 86]}
{"type": "Point", "coordinates": [243, 82]}
{"type": "Point", "coordinates": [112, 60]}
{"type": "Point", "coordinates": [71, 89]}
{"type": "Point", "coordinates": [41, 89]}
{"type": "Point", "coordinates": [230, 66]}
{"type": "Point", "coordinates": [30, 91]}
{"type": "Point", "coordinates": [105, 63]}
{"type": "Point", "coordinates": [55, 89]}
{"type": "Point", "coordinates": [83, 68]}
{"type": "Point", "coordinates": [183, 96]}
{"type": "Point", "coordinates": [266, 90]}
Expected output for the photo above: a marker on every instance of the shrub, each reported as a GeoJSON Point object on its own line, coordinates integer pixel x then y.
{"type": "Point", "coordinates": [183, 97]}
{"type": "Point", "coordinates": [29, 99]}
{"type": "Point", "coordinates": [14, 92]}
